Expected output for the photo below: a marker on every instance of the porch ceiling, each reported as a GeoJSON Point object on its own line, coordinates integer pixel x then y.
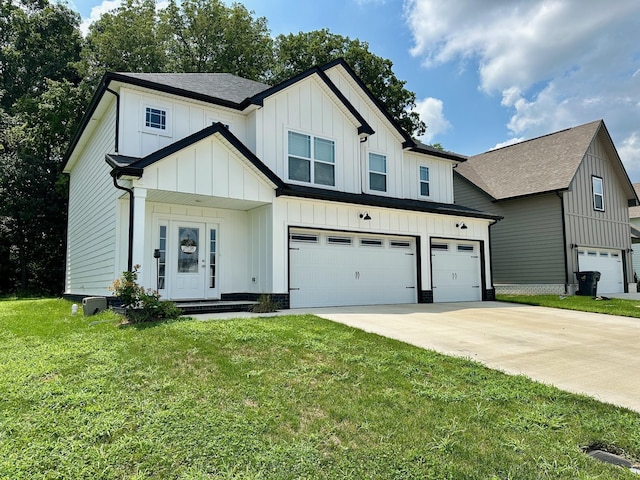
{"type": "Point", "coordinates": [188, 199]}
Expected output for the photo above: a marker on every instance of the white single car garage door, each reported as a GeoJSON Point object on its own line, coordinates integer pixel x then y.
{"type": "Point", "coordinates": [336, 268]}
{"type": "Point", "coordinates": [608, 263]}
{"type": "Point", "coordinates": [455, 266]}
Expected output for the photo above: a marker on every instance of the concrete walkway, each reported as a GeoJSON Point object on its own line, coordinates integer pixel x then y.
{"type": "Point", "coordinates": [580, 352]}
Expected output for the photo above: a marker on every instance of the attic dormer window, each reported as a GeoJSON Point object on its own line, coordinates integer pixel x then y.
{"type": "Point", "coordinates": [155, 118]}
{"type": "Point", "coordinates": [598, 194]}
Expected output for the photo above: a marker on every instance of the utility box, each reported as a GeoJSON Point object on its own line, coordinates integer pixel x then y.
{"type": "Point", "coordinates": [93, 305]}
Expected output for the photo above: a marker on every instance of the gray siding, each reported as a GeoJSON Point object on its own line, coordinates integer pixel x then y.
{"type": "Point", "coordinates": [527, 245]}
{"type": "Point", "coordinates": [589, 227]}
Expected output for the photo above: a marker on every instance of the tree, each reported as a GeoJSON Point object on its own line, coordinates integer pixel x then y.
{"type": "Point", "coordinates": [127, 39]}
{"type": "Point", "coordinates": [40, 44]}
{"type": "Point", "coordinates": [295, 53]}
{"type": "Point", "coordinates": [208, 36]}
{"type": "Point", "coordinates": [38, 41]}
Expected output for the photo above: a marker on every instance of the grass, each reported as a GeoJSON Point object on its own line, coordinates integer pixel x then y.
{"type": "Point", "coordinates": [281, 397]}
{"type": "Point", "coordinates": [612, 306]}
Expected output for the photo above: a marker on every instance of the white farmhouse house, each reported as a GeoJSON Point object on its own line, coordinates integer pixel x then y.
{"type": "Point", "coordinates": [223, 188]}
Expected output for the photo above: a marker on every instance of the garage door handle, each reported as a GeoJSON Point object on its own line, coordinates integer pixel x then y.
{"type": "Point", "coordinates": [409, 287]}
{"type": "Point", "coordinates": [294, 289]}
{"type": "Point", "coordinates": [476, 286]}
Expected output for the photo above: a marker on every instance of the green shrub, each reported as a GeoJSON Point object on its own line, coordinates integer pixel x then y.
{"type": "Point", "coordinates": [141, 305]}
{"type": "Point", "coordinates": [265, 305]}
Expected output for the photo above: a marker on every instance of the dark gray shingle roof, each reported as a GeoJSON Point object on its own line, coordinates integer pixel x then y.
{"type": "Point", "coordinates": [634, 212]}
{"type": "Point", "coordinates": [539, 165]}
{"type": "Point", "coordinates": [223, 86]}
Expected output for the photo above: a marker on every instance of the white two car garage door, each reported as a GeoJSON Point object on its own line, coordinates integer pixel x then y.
{"type": "Point", "coordinates": [336, 268]}
{"type": "Point", "coordinates": [608, 263]}
{"type": "Point", "coordinates": [456, 270]}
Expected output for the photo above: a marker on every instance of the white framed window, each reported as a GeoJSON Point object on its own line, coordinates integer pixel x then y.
{"type": "Point", "coordinates": [156, 119]}
{"type": "Point", "coordinates": [424, 181]}
{"type": "Point", "coordinates": [311, 159]}
{"type": "Point", "coordinates": [598, 194]}
{"type": "Point", "coordinates": [377, 172]}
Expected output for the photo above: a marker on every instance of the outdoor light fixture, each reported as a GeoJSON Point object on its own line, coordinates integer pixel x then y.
{"type": "Point", "coordinates": [461, 226]}
{"type": "Point", "coordinates": [365, 216]}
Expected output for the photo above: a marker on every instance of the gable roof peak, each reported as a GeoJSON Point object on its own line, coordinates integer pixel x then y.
{"type": "Point", "coordinates": [543, 164]}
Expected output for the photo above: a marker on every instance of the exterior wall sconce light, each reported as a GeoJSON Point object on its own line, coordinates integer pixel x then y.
{"type": "Point", "coordinates": [461, 226]}
{"type": "Point", "coordinates": [365, 216]}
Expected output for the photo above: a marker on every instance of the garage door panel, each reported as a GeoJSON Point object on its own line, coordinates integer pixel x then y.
{"type": "Point", "coordinates": [365, 271]}
{"type": "Point", "coordinates": [456, 271]}
{"type": "Point", "coordinates": [608, 263]}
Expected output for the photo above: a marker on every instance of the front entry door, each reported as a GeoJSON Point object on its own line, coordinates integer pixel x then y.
{"type": "Point", "coordinates": [189, 260]}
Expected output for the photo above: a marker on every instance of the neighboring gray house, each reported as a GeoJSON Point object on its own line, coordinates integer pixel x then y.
{"type": "Point", "coordinates": [565, 200]}
{"type": "Point", "coordinates": [634, 219]}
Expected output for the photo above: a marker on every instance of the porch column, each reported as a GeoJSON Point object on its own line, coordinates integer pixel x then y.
{"type": "Point", "coordinates": [139, 216]}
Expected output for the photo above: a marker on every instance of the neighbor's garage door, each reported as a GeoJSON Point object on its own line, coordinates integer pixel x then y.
{"type": "Point", "coordinates": [608, 263]}
{"type": "Point", "coordinates": [456, 271]}
{"type": "Point", "coordinates": [335, 268]}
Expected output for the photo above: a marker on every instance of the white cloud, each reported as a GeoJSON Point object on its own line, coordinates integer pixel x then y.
{"type": "Point", "coordinates": [107, 6]}
{"type": "Point", "coordinates": [511, 141]}
{"type": "Point", "coordinates": [431, 113]}
{"type": "Point", "coordinates": [96, 13]}
{"type": "Point", "coordinates": [555, 63]}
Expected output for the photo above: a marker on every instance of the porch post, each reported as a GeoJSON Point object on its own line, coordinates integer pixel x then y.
{"type": "Point", "coordinates": [139, 203]}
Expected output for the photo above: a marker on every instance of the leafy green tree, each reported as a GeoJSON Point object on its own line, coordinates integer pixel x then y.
{"type": "Point", "coordinates": [127, 39]}
{"type": "Point", "coordinates": [40, 43]}
{"type": "Point", "coordinates": [295, 53]}
{"type": "Point", "coordinates": [208, 36]}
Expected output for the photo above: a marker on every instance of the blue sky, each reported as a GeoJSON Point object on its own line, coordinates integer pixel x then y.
{"type": "Point", "coordinates": [489, 72]}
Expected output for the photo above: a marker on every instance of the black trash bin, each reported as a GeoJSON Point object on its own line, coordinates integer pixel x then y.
{"type": "Point", "coordinates": [588, 283]}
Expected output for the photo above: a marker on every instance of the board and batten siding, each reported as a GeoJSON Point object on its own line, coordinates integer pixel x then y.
{"type": "Point", "coordinates": [295, 212]}
{"type": "Point", "coordinates": [208, 167]}
{"type": "Point", "coordinates": [184, 119]}
{"type": "Point", "coordinates": [93, 212]}
{"type": "Point", "coordinates": [588, 227]}
{"type": "Point", "coordinates": [440, 178]}
{"type": "Point", "coordinates": [307, 109]}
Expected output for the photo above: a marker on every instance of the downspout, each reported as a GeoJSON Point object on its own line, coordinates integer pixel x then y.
{"type": "Point", "coordinates": [117, 119]}
{"type": "Point", "coordinates": [564, 243]}
{"type": "Point", "coordinates": [490, 257]}
{"type": "Point", "coordinates": [115, 176]}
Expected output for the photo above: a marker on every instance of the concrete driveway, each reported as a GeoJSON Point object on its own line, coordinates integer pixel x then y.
{"type": "Point", "coordinates": [589, 353]}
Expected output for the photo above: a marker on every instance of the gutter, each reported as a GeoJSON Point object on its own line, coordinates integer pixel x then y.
{"type": "Point", "coordinates": [117, 117]}
{"type": "Point", "coordinates": [116, 174]}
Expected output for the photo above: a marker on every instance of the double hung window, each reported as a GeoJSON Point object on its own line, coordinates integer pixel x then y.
{"type": "Point", "coordinates": [424, 181]}
{"type": "Point", "coordinates": [311, 159]}
{"type": "Point", "coordinates": [598, 194]}
{"type": "Point", "coordinates": [377, 172]}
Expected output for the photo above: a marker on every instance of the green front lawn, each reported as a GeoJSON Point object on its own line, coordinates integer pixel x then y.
{"type": "Point", "coordinates": [280, 397]}
{"type": "Point", "coordinates": [611, 306]}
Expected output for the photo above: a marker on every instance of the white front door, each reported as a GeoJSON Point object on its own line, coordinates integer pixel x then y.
{"type": "Point", "coordinates": [189, 260]}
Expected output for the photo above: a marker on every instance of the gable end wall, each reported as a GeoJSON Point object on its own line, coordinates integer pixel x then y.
{"type": "Point", "coordinates": [588, 227]}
